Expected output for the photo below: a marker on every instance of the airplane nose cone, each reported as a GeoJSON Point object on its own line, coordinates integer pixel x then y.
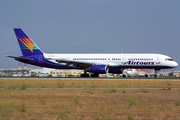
{"type": "Point", "coordinates": [175, 64]}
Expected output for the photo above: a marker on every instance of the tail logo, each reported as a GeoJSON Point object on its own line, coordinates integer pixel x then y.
{"type": "Point", "coordinates": [27, 42]}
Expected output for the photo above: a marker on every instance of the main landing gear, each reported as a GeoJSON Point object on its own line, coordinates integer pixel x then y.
{"type": "Point", "coordinates": [87, 75]}
{"type": "Point", "coordinates": [94, 75]}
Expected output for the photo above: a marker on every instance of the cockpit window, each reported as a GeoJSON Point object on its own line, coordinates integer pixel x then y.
{"type": "Point", "coordinates": [169, 59]}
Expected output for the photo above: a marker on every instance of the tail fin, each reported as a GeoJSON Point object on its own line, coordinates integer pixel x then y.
{"type": "Point", "coordinates": [28, 47]}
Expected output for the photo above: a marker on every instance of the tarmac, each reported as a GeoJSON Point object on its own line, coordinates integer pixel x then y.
{"type": "Point", "coordinates": [79, 78]}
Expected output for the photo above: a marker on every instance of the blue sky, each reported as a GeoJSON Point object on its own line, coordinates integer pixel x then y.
{"type": "Point", "coordinates": [91, 26]}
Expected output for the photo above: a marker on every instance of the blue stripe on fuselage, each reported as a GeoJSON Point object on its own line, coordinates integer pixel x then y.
{"type": "Point", "coordinates": [46, 63]}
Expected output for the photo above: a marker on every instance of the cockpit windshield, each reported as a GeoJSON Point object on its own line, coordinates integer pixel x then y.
{"type": "Point", "coordinates": [169, 59]}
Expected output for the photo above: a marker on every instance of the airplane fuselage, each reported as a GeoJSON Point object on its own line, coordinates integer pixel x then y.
{"type": "Point", "coordinates": [149, 61]}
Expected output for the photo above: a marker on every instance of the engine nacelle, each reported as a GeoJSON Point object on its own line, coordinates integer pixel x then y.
{"type": "Point", "coordinates": [116, 71]}
{"type": "Point", "coordinates": [98, 69]}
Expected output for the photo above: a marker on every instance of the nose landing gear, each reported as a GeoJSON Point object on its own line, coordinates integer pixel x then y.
{"type": "Point", "coordinates": [156, 72]}
{"type": "Point", "coordinates": [155, 76]}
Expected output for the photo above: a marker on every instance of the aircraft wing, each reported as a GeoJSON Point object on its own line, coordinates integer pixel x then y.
{"type": "Point", "coordinates": [73, 63]}
{"type": "Point", "coordinates": [21, 58]}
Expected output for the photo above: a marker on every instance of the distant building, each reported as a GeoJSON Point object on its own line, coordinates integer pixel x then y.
{"type": "Point", "coordinates": [66, 73]}
{"type": "Point", "coordinates": [176, 74]}
{"type": "Point", "coordinates": [70, 73]}
{"type": "Point", "coordinates": [44, 70]}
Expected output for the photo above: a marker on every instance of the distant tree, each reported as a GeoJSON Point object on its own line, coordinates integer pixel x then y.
{"type": "Point", "coordinates": [70, 75]}
{"type": "Point", "coordinates": [161, 75]}
{"type": "Point", "coordinates": [49, 75]}
{"type": "Point", "coordinates": [118, 75]}
{"type": "Point", "coordinates": [171, 75]}
{"type": "Point", "coordinates": [33, 75]}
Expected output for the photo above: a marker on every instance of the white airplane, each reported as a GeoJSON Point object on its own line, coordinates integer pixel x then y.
{"type": "Point", "coordinates": [136, 73]}
{"type": "Point", "coordinates": [93, 63]}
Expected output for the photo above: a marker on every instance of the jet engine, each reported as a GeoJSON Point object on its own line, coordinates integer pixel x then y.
{"type": "Point", "coordinates": [98, 69]}
{"type": "Point", "coordinates": [115, 71]}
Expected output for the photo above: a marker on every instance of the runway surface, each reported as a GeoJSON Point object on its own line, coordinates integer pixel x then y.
{"type": "Point", "coordinates": [70, 78]}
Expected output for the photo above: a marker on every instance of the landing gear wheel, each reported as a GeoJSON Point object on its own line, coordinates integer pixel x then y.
{"type": "Point", "coordinates": [94, 75]}
{"type": "Point", "coordinates": [155, 76]}
{"type": "Point", "coordinates": [156, 73]}
{"type": "Point", "coordinates": [84, 75]}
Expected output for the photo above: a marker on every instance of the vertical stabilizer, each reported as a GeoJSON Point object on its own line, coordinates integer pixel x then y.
{"type": "Point", "coordinates": [28, 47]}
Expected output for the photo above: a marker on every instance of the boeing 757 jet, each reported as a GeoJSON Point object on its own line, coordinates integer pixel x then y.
{"type": "Point", "coordinates": [93, 63]}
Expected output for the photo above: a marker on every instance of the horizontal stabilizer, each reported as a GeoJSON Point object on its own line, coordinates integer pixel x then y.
{"type": "Point", "coordinates": [20, 58]}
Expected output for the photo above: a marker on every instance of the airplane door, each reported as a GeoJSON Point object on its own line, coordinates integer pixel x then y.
{"type": "Point", "coordinates": [124, 60]}
{"type": "Point", "coordinates": [157, 60]}
{"type": "Point", "coordinates": [40, 59]}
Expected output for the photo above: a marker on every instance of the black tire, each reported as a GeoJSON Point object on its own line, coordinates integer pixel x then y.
{"type": "Point", "coordinates": [84, 75]}
{"type": "Point", "coordinates": [96, 75]}
{"type": "Point", "coordinates": [92, 75]}
{"type": "Point", "coordinates": [155, 76]}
